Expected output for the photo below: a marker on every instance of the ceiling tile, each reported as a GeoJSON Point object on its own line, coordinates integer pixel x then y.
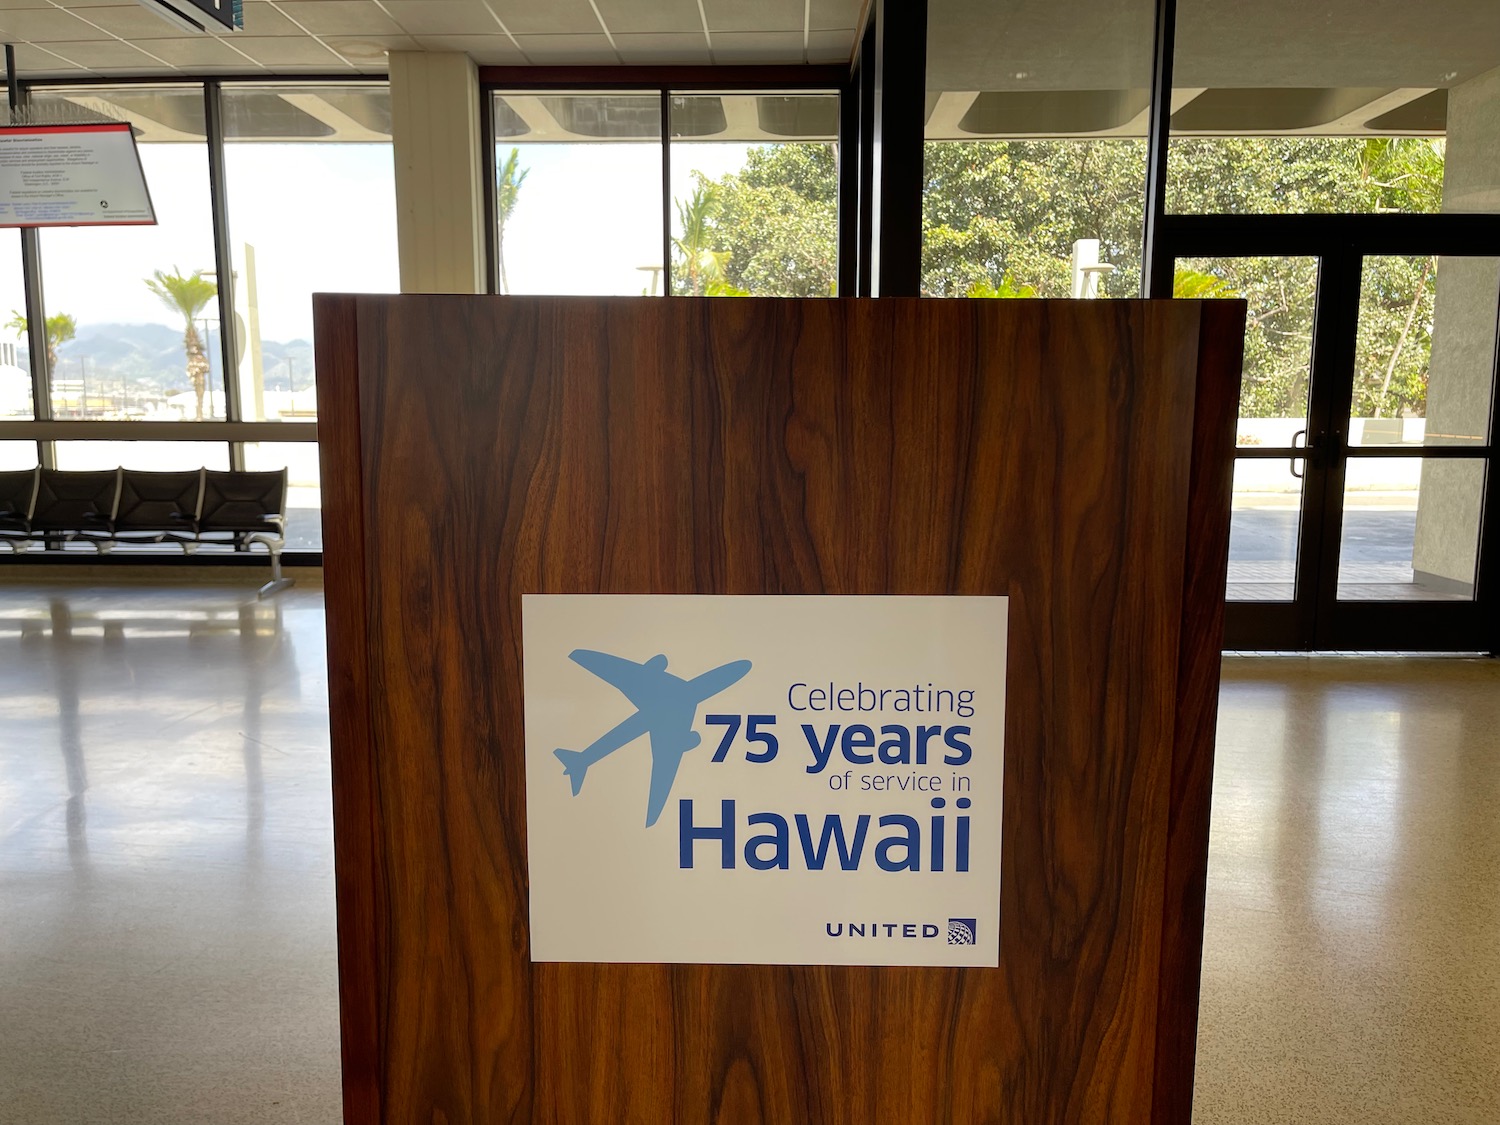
{"type": "Point", "coordinates": [287, 51]}
{"type": "Point", "coordinates": [340, 17]}
{"type": "Point", "coordinates": [830, 46]}
{"type": "Point", "coordinates": [833, 15]}
{"type": "Point", "coordinates": [663, 48]}
{"type": "Point", "coordinates": [370, 50]}
{"type": "Point", "coordinates": [105, 53]}
{"type": "Point", "coordinates": [196, 51]}
{"type": "Point", "coordinates": [762, 15]}
{"type": "Point", "coordinates": [758, 46]}
{"type": "Point", "coordinates": [559, 17]}
{"type": "Point", "coordinates": [486, 50]}
{"type": "Point", "coordinates": [132, 72]}
{"type": "Point", "coordinates": [130, 21]}
{"type": "Point", "coordinates": [38, 25]}
{"type": "Point", "coordinates": [630, 16]}
{"type": "Point", "coordinates": [261, 18]}
{"type": "Point", "coordinates": [442, 17]}
{"type": "Point", "coordinates": [34, 62]}
{"type": "Point", "coordinates": [563, 50]}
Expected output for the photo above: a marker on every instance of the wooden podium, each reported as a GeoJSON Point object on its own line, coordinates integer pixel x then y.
{"type": "Point", "coordinates": [1074, 456]}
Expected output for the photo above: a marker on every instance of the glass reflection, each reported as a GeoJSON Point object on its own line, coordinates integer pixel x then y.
{"type": "Point", "coordinates": [97, 674]}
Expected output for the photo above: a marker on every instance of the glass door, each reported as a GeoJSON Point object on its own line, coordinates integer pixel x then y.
{"type": "Point", "coordinates": [1415, 415]}
{"type": "Point", "coordinates": [1362, 477]}
{"type": "Point", "coordinates": [1273, 545]}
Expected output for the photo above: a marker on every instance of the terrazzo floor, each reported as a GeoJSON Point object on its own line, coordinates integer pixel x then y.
{"type": "Point", "coordinates": [166, 881]}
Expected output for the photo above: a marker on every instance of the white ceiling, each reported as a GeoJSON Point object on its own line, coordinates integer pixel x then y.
{"type": "Point", "coordinates": [76, 38]}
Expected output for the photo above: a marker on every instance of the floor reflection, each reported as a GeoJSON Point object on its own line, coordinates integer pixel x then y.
{"type": "Point", "coordinates": [167, 952]}
{"type": "Point", "coordinates": [1350, 966]}
{"type": "Point", "coordinates": [98, 666]}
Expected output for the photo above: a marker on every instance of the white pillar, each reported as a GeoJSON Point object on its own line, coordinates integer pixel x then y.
{"type": "Point", "coordinates": [439, 170]}
{"type": "Point", "coordinates": [1463, 343]}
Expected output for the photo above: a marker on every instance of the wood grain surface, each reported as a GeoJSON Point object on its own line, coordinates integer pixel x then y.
{"type": "Point", "coordinates": [480, 448]}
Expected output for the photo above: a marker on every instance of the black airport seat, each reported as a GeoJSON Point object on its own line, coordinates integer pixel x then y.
{"type": "Point", "coordinates": [129, 506]}
{"type": "Point", "coordinates": [17, 494]}
{"type": "Point", "coordinates": [72, 502]}
{"type": "Point", "coordinates": [154, 505]}
{"type": "Point", "coordinates": [243, 502]}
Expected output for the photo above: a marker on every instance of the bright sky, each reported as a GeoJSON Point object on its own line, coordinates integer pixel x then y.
{"type": "Point", "coordinates": [322, 217]}
{"type": "Point", "coordinates": [590, 214]}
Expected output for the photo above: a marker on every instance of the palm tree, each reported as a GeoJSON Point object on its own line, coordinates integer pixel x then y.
{"type": "Point", "coordinates": [189, 295]}
{"type": "Point", "coordinates": [507, 191]}
{"type": "Point", "coordinates": [60, 329]}
{"type": "Point", "coordinates": [701, 266]}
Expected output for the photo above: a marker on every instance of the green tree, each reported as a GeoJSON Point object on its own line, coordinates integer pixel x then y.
{"type": "Point", "coordinates": [60, 329]}
{"type": "Point", "coordinates": [188, 294]}
{"type": "Point", "coordinates": [696, 264]}
{"type": "Point", "coordinates": [997, 208]}
{"type": "Point", "coordinates": [1319, 174]}
{"type": "Point", "coordinates": [507, 192]}
{"type": "Point", "coordinates": [1011, 210]}
{"type": "Point", "coordinates": [1006, 289]}
{"type": "Point", "coordinates": [778, 221]}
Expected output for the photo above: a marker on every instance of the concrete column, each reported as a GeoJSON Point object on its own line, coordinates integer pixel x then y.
{"type": "Point", "coordinates": [1463, 347]}
{"type": "Point", "coordinates": [439, 170]}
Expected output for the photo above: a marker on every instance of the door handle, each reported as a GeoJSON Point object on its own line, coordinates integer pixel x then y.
{"type": "Point", "coordinates": [1292, 462]}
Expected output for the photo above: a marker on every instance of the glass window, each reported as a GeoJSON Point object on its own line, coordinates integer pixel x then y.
{"type": "Point", "coordinates": [132, 312]}
{"type": "Point", "coordinates": [1263, 527]}
{"type": "Point", "coordinates": [312, 208]}
{"type": "Point", "coordinates": [17, 455]}
{"type": "Point", "coordinates": [1283, 107]}
{"type": "Point", "coordinates": [15, 358]}
{"type": "Point", "coordinates": [304, 504]}
{"type": "Point", "coordinates": [1035, 163]}
{"type": "Point", "coordinates": [1280, 293]}
{"type": "Point", "coordinates": [754, 194]}
{"type": "Point", "coordinates": [1411, 529]}
{"type": "Point", "coordinates": [150, 456]}
{"type": "Point", "coordinates": [1425, 358]}
{"type": "Point", "coordinates": [578, 193]}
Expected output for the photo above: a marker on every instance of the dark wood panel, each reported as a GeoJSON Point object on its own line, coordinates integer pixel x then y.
{"type": "Point", "coordinates": [1042, 450]}
{"type": "Point", "coordinates": [1221, 347]}
{"type": "Point", "coordinates": [355, 815]}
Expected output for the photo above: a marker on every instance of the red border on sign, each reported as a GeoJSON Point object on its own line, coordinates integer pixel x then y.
{"type": "Point", "coordinates": [111, 127]}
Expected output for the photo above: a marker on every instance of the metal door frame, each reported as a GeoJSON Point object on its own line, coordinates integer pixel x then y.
{"type": "Point", "coordinates": [1316, 619]}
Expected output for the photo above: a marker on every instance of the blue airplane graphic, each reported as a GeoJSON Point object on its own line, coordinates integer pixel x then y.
{"type": "Point", "coordinates": [665, 708]}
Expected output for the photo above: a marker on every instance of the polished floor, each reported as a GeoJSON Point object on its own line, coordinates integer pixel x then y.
{"type": "Point", "coordinates": [166, 885]}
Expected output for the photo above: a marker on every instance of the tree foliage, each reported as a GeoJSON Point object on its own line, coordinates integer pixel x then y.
{"type": "Point", "coordinates": [1000, 219]}
{"type": "Point", "coordinates": [508, 183]}
{"type": "Point", "coordinates": [776, 220]}
{"type": "Point", "coordinates": [697, 267]}
{"type": "Point", "coordinates": [188, 295]}
{"type": "Point", "coordinates": [61, 327]}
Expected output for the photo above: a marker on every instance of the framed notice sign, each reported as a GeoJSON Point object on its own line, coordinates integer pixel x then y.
{"type": "Point", "coordinates": [72, 176]}
{"type": "Point", "coordinates": [800, 780]}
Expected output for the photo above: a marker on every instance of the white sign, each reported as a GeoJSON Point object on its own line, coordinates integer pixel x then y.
{"type": "Point", "coordinates": [72, 175]}
{"type": "Point", "coordinates": [807, 780]}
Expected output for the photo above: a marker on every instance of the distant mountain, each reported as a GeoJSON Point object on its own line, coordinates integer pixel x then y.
{"type": "Point", "coordinates": [151, 356]}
